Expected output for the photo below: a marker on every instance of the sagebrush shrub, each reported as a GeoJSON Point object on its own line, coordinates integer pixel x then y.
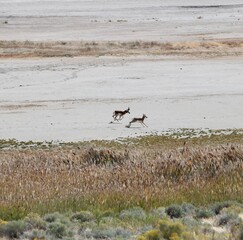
{"type": "Point", "coordinates": [228, 219]}
{"type": "Point", "coordinates": [133, 213]}
{"type": "Point", "coordinates": [188, 208]}
{"type": "Point", "coordinates": [190, 222]}
{"type": "Point", "coordinates": [217, 207]}
{"type": "Point", "coordinates": [110, 233]}
{"type": "Point", "coordinates": [158, 212]}
{"type": "Point", "coordinates": [83, 216]}
{"type": "Point", "coordinates": [103, 233]}
{"type": "Point", "coordinates": [33, 220]}
{"type": "Point", "coordinates": [52, 217]}
{"type": "Point", "coordinates": [13, 229]}
{"type": "Point", "coordinates": [57, 229]}
{"type": "Point", "coordinates": [234, 209]}
{"type": "Point", "coordinates": [241, 233]}
{"type": "Point", "coordinates": [204, 213]}
{"type": "Point", "coordinates": [122, 233]}
{"type": "Point", "coordinates": [35, 234]}
{"type": "Point", "coordinates": [175, 211]}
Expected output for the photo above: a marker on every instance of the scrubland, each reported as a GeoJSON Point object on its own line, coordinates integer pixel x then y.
{"type": "Point", "coordinates": [108, 178]}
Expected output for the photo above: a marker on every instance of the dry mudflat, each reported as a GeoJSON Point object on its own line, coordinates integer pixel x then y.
{"type": "Point", "coordinates": [65, 66]}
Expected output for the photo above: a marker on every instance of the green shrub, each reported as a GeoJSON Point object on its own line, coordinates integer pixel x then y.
{"type": "Point", "coordinates": [2, 222]}
{"type": "Point", "coordinates": [33, 220]}
{"type": "Point", "coordinates": [52, 217]}
{"type": "Point", "coordinates": [237, 231]}
{"type": "Point", "coordinates": [85, 232]}
{"type": "Point", "coordinates": [174, 211]}
{"type": "Point", "coordinates": [187, 236]}
{"type": "Point", "coordinates": [168, 228]}
{"type": "Point", "coordinates": [234, 209]}
{"type": "Point", "coordinates": [143, 229]}
{"type": "Point", "coordinates": [241, 233]}
{"type": "Point", "coordinates": [133, 213]}
{"type": "Point", "coordinates": [171, 230]}
{"type": "Point", "coordinates": [109, 233]}
{"type": "Point", "coordinates": [141, 238]}
{"type": "Point", "coordinates": [153, 234]}
{"type": "Point", "coordinates": [188, 209]}
{"type": "Point", "coordinates": [228, 219]}
{"type": "Point", "coordinates": [35, 234]}
{"type": "Point", "coordinates": [218, 206]}
{"type": "Point", "coordinates": [122, 233]}
{"type": "Point", "coordinates": [174, 236]}
{"type": "Point", "coordinates": [57, 229]}
{"type": "Point", "coordinates": [158, 212]}
{"type": "Point", "coordinates": [103, 233]}
{"type": "Point", "coordinates": [86, 226]}
{"type": "Point", "coordinates": [13, 229]}
{"type": "Point", "coordinates": [190, 223]}
{"type": "Point", "coordinates": [83, 216]}
{"type": "Point", "coordinates": [204, 213]}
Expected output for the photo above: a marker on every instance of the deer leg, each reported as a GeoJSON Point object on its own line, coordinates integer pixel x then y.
{"type": "Point", "coordinates": [116, 118]}
{"type": "Point", "coordinates": [145, 124]}
{"type": "Point", "coordinates": [131, 122]}
{"type": "Point", "coordinates": [119, 118]}
{"type": "Point", "coordinates": [129, 125]}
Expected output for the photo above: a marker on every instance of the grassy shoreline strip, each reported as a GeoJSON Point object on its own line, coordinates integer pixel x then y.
{"type": "Point", "coordinates": [30, 49]}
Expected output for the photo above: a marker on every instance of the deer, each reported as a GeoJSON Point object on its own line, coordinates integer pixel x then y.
{"type": "Point", "coordinates": [140, 120]}
{"type": "Point", "coordinates": [119, 115]}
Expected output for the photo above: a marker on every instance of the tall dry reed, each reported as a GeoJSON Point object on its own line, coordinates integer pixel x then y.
{"type": "Point", "coordinates": [62, 179]}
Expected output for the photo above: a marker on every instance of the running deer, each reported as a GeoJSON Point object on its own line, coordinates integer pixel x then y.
{"type": "Point", "coordinates": [119, 115]}
{"type": "Point", "coordinates": [140, 120]}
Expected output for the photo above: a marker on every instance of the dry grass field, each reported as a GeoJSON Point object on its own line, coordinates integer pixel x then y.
{"type": "Point", "coordinates": [23, 49]}
{"type": "Point", "coordinates": [150, 171]}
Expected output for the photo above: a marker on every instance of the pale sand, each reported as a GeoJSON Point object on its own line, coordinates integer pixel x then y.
{"type": "Point", "coordinates": [121, 20]}
{"type": "Point", "coordinates": [73, 99]}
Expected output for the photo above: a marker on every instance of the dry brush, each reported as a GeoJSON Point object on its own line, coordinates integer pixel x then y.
{"type": "Point", "coordinates": [27, 49]}
{"type": "Point", "coordinates": [74, 178]}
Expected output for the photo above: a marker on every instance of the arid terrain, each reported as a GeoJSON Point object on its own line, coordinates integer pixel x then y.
{"type": "Point", "coordinates": [69, 171]}
{"type": "Point", "coordinates": [66, 66]}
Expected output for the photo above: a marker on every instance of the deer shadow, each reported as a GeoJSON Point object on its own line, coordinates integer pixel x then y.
{"type": "Point", "coordinates": [113, 122]}
{"type": "Point", "coordinates": [127, 126]}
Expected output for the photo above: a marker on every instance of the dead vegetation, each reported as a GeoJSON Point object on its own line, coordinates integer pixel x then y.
{"type": "Point", "coordinates": [27, 49]}
{"type": "Point", "coordinates": [72, 178]}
